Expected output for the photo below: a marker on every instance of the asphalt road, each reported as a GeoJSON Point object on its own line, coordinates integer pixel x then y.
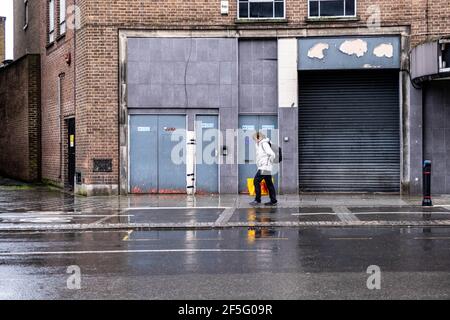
{"type": "Point", "coordinates": [241, 263]}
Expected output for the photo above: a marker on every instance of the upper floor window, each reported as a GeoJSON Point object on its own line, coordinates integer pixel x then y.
{"type": "Point", "coordinates": [332, 8]}
{"type": "Point", "coordinates": [261, 9]}
{"type": "Point", "coordinates": [62, 17]}
{"type": "Point", "coordinates": [51, 21]}
{"type": "Point", "coordinates": [26, 14]}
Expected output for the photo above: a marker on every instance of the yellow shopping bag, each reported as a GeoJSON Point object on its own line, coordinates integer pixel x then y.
{"type": "Point", "coordinates": [251, 187]}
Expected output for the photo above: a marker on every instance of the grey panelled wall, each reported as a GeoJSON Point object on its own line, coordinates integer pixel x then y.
{"type": "Point", "coordinates": [416, 134]}
{"type": "Point", "coordinates": [288, 120]}
{"type": "Point", "coordinates": [258, 64]}
{"type": "Point", "coordinates": [437, 134]}
{"type": "Point", "coordinates": [176, 75]}
{"type": "Point", "coordinates": [182, 72]}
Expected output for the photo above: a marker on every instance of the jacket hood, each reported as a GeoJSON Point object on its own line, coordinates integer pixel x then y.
{"type": "Point", "coordinates": [265, 140]}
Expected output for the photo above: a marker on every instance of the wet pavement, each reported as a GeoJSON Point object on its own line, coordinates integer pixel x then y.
{"type": "Point", "coordinates": [24, 207]}
{"type": "Point", "coordinates": [241, 263]}
{"type": "Point", "coordinates": [218, 247]}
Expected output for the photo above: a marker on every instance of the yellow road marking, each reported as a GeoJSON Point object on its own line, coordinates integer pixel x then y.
{"type": "Point", "coordinates": [127, 236]}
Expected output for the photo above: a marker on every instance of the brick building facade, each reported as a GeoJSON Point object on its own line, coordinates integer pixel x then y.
{"type": "Point", "coordinates": [58, 94]}
{"type": "Point", "coordinates": [86, 76]}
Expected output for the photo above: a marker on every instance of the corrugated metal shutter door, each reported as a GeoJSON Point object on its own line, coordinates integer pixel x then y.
{"type": "Point", "coordinates": [349, 131]}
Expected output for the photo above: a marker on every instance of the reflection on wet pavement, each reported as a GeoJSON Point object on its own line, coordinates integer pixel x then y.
{"type": "Point", "coordinates": [162, 215]}
{"type": "Point", "coordinates": [284, 214]}
{"type": "Point", "coordinates": [312, 214]}
{"type": "Point", "coordinates": [397, 209]}
{"type": "Point", "coordinates": [146, 264]}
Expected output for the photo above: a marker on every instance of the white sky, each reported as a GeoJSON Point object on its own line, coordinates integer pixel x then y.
{"type": "Point", "coordinates": [6, 10]}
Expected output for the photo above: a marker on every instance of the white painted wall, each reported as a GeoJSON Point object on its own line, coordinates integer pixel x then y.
{"type": "Point", "coordinates": [287, 73]}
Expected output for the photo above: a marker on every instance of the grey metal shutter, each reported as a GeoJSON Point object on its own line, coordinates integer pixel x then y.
{"type": "Point", "coordinates": [349, 131]}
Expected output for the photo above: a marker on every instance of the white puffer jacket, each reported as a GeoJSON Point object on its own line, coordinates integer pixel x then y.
{"type": "Point", "coordinates": [264, 155]}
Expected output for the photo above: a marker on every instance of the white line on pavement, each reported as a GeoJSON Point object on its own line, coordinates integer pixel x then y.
{"type": "Point", "coordinates": [3, 233]}
{"type": "Point", "coordinates": [350, 238]}
{"type": "Point", "coordinates": [361, 213]}
{"type": "Point", "coordinates": [190, 240]}
{"type": "Point", "coordinates": [37, 212]}
{"type": "Point", "coordinates": [105, 218]}
{"type": "Point", "coordinates": [344, 214]}
{"type": "Point", "coordinates": [433, 238]}
{"type": "Point", "coordinates": [172, 208]}
{"type": "Point", "coordinates": [61, 216]}
{"type": "Point", "coordinates": [225, 216]}
{"type": "Point", "coordinates": [42, 253]}
{"type": "Point", "coordinates": [314, 214]}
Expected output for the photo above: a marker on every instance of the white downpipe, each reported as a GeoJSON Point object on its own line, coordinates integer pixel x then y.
{"type": "Point", "coordinates": [190, 162]}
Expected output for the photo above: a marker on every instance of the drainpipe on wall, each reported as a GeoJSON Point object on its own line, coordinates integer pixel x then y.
{"type": "Point", "coordinates": [60, 128]}
{"type": "Point", "coordinates": [75, 82]}
{"type": "Point", "coordinates": [190, 163]}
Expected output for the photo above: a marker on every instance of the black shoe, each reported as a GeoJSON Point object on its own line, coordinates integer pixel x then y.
{"type": "Point", "coordinates": [271, 203]}
{"type": "Point", "coordinates": [255, 203]}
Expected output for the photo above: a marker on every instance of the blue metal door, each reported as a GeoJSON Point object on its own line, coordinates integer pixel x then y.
{"type": "Point", "coordinates": [172, 154]}
{"type": "Point", "coordinates": [143, 154]}
{"type": "Point", "coordinates": [269, 126]}
{"type": "Point", "coordinates": [157, 154]}
{"type": "Point", "coordinates": [207, 156]}
{"type": "Point", "coordinates": [248, 125]}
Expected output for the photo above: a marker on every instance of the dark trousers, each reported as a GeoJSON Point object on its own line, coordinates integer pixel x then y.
{"type": "Point", "coordinates": [269, 183]}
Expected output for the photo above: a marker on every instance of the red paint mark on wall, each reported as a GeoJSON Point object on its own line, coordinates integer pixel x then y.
{"type": "Point", "coordinates": [172, 191]}
{"type": "Point", "coordinates": [136, 190]}
{"type": "Point", "coordinates": [139, 190]}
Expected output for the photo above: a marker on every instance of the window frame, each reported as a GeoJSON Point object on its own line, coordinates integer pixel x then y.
{"type": "Point", "coordinates": [62, 14]}
{"type": "Point", "coordinates": [51, 22]}
{"type": "Point", "coordinates": [331, 17]}
{"type": "Point", "coordinates": [261, 18]}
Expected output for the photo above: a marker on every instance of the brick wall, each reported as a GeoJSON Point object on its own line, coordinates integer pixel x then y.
{"type": "Point", "coordinates": [427, 18]}
{"type": "Point", "coordinates": [2, 39]}
{"type": "Point", "coordinates": [20, 119]}
{"type": "Point", "coordinates": [55, 70]}
{"type": "Point", "coordinates": [97, 103]}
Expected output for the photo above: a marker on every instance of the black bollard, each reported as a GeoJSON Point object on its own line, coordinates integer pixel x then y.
{"type": "Point", "coordinates": [427, 184]}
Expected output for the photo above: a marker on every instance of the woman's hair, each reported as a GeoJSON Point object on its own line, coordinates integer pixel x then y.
{"type": "Point", "coordinates": [259, 135]}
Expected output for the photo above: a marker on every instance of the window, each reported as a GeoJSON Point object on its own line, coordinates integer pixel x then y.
{"type": "Point", "coordinates": [26, 14]}
{"type": "Point", "coordinates": [51, 21]}
{"type": "Point", "coordinates": [62, 17]}
{"type": "Point", "coordinates": [261, 9]}
{"type": "Point", "coordinates": [332, 8]}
